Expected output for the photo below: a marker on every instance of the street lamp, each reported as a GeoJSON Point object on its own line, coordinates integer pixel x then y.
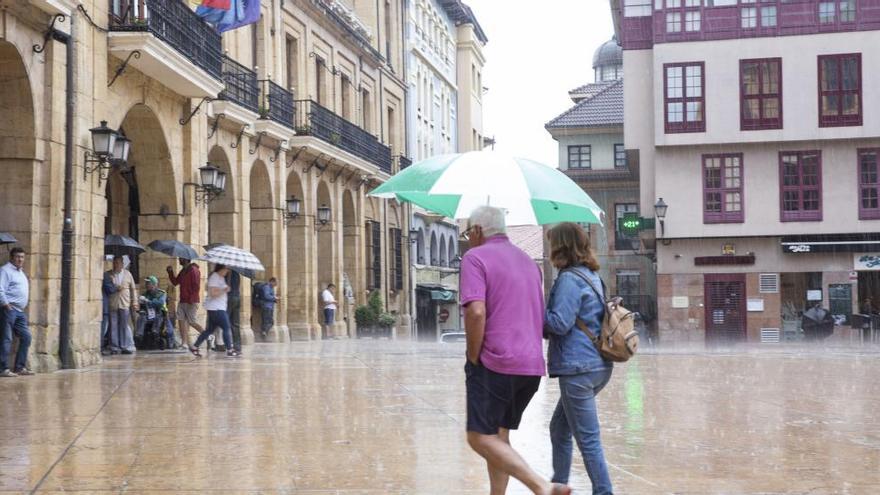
{"type": "Point", "coordinates": [323, 215]}
{"type": "Point", "coordinates": [660, 212]}
{"type": "Point", "coordinates": [212, 183]}
{"type": "Point", "coordinates": [109, 148]}
{"type": "Point", "coordinates": [291, 209]}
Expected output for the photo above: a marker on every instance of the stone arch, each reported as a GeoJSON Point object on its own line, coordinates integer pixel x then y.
{"type": "Point", "coordinates": [142, 199]}
{"type": "Point", "coordinates": [420, 246]}
{"type": "Point", "coordinates": [263, 214]}
{"type": "Point", "coordinates": [351, 234]}
{"type": "Point", "coordinates": [452, 252]}
{"type": "Point", "coordinates": [444, 261]}
{"type": "Point", "coordinates": [328, 249]}
{"type": "Point", "coordinates": [433, 258]}
{"type": "Point", "coordinates": [222, 211]}
{"type": "Point", "coordinates": [299, 299]}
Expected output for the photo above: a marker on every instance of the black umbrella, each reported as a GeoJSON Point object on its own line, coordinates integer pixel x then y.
{"type": "Point", "coordinates": [244, 272]}
{"type": "Point", "coordinates": [174, 248]}
{"type": "Point", "coordinates": [6, 238]}
{"type": "Point", "coordinates": [119, 245]}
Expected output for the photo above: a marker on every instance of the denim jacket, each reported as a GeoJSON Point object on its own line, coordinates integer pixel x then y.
{"type": "Point", "coordinates": [570, 351]}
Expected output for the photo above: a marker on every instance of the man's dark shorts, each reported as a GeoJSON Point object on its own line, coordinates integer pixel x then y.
{"type": "Point", "coordinates": [496, 400]}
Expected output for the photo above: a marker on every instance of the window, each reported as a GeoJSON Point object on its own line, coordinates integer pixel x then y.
{"type": "Point", "coordinates": [374, 255]}
{"type": "Point", "coordinates": [684, 99]}
{"type": "Point", "coordinates": [692, 21]}
{"type": "Point", "coordinates": [748, 17]}
{"type": "Point", "coordinates": [800, 185]}
{"type": "Point", "coordinates": [619, 156]}
{"type": "Point", "coordinates": [827, 12]}
{"type": "Point", "coordinates": [366, 110]}
{"type": "Point", "coordinates": [320, 79]}
{"type": "Point", "coordinates": [869, 184]}
{"type": "Point", "coordinates": [761, 94]}
{"type": "Point", "coordinates": [768, 16]}
{"type": "Point", "coordinates": [723, 188]}
{"type": "Point", "coordinates": [579, 156]}
{"type": "Point", "coordinates": [673, 22]}
{"type": "Point", "coordinates": [840, 90]}
{"type": "Point", "coordinates": [346, 98]}
{"type": "Point", "coordinates": [837, 10]}
{"type": "Point", "coordinates": [396, 258]}
{"type": "Point", "coordinates": [292, 55]}
{"type": "Point", "coordinates": [622, 240]}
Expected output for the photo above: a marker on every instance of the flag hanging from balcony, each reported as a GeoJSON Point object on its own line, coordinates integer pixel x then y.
{"type": "Point", "coordinates": [212, 11]}
{"type": "Point", "coordinates": [237, 13]}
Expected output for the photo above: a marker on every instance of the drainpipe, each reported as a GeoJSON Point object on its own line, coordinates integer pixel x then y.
{"type": "Point", "coordinates": [64, 349]}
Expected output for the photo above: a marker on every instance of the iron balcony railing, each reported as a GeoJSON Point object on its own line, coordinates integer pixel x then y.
{"type": "Point", "coordinates": [403, 162]}
{"type": "Point", "coordinates": [173, 22]}
{"type": "Point", "coordinates": [241, 85]}
{"type": "Point", "coordinates": [314, 120]}
{"type": "Point", "coordinates": [277, 104]}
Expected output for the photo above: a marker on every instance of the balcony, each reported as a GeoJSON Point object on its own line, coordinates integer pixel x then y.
{"type": "Point", "coordinates": [175, 46]}
{"type": "Point", "coordinates": [403, 162]}
{"type": "Point", "coordinates": [241, 85]}
{"type": "Point", "coordinates": [314, 120]}
{"type": "Point", "coordinates": [277, 104]}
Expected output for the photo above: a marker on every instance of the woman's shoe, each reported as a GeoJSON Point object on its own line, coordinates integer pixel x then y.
{"type": "Point", "coordinates": [195, 351]}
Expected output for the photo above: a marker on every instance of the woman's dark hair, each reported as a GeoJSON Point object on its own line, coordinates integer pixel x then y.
{"type": "Point", "coordinates": [570, 246]}
{"type": "Point", "coordinates": [218, 267]}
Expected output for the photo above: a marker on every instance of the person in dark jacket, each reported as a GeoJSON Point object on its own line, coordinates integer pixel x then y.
{"type": "Point", "coordinates": [267, 299]}
{"type": "Point", "coordinates": [233, 307]}
{"type": "Point", "coordinates": [572, 356]}
{"type": "Point", "coordinates": [107, 290]}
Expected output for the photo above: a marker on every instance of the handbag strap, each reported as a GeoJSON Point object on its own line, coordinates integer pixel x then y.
{"type": "Point", "coordinates": [581, 324]}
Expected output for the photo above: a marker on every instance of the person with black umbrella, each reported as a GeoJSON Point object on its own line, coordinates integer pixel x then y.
{"type": "Point", "coordinates": [123, 300]}
{"type": "Point", "coordinates": [189, 279]}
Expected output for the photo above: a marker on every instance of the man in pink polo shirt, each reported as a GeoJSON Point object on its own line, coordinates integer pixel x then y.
{"type": "Point", "coordinates": [501, 290]}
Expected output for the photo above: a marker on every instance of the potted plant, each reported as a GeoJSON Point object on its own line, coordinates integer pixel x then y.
{"type": "Point", "coordinates": [372, 320]}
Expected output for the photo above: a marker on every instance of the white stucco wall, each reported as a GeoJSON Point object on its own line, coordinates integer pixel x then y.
{"type": "Point", "coordinates": [601, 148]}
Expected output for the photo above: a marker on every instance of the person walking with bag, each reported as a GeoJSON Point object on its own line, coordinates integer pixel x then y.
{"type": "Point", "coordinates": [573, 357]}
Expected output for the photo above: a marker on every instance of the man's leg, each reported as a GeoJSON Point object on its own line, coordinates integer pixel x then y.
{"type": "Point", "coordinates": [126, 334]}
{"type": "Point", "coordinates": [498, 479]}
{"type": "Point", "coordinates": [6, 321]}
{"type": "Point", "coordinates": [115, 322]}
{"type": "Point", "coordinates": [268, 317]}
{"type": "Point", "coordinates": [24, 341]}
{"type": "Point", "coordinates": [235, 321]}
{"type": "Point", "coordinates": [502, 457]}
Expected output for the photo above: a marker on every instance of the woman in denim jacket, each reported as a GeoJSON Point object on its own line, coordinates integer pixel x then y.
{"type": "Point", "coordinates": [573, 358]}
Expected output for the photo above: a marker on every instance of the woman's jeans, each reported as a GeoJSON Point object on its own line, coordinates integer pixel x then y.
{"type": "Point", "coordinates": [217, 319]}
{"type": "Point", "coordinates": [576, 416]}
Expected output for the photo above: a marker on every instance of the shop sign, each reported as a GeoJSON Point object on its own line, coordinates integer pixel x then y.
{"type": "Point", "coordinates": [444, 315]}
{"type": "Point", "coordinates": [728, 249]}
{"type": "Point", "coordinates": [863, 262]}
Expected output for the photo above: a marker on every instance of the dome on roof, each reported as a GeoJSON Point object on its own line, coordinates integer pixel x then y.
{"type": "Point", "coordinates": [610, 53]}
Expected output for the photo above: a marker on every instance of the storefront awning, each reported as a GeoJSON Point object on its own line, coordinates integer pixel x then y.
{"type": "Point", "coordinates": [831, 243]}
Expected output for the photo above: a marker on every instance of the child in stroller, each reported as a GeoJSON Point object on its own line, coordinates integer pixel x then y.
{"type": "Point", "coordinates": [154, 329]}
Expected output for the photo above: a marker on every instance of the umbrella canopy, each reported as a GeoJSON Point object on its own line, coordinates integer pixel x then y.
{"type": "Point", "coordinates": [119, 245]}
{"type": "Point", "coordinates": [531, 193]}
{"type": "Point", "coordinates": [6, 238]}
{"type": "Point", "coordinates": [233, 258]}
{"type": "Point", "coordinates": [244, 272]}
{"type": "Point", "coordinates": [174, 248]}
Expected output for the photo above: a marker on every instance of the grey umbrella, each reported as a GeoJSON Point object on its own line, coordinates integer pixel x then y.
{"type": "Point", "coordinates": [6, 238]}
{"type": "Point", "coordinates": [119, 245]}
{"type": "Point", "coordinates": [174, 248]}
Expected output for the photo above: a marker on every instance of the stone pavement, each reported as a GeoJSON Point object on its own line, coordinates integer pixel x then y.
{"type": "Point", "coordinates": [381, 417]}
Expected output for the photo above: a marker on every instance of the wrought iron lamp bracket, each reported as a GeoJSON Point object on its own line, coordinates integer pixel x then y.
{"type": "Point", "coordinates": [290, 162]}
{"type": "Point", "coordinates": [364, 179]}
{"type": "Point", "coordinates": [121, 68]}
{"type": "Point", "coordinates": [216, 124]}
{"type": "Point", "coordinates": [49, 32]}
{"type": "Point", "coordinates": [237, 142]}
{"type": "Point", "coordinates": [186, 120]}
{"type": "Point", "coordinates": [100, 165]}
{"type": "Point", "coordinates": [257, 145]}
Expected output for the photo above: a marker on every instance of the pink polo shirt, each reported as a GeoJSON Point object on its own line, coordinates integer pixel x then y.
{"type": "Point", "coordinates": [510, 283]}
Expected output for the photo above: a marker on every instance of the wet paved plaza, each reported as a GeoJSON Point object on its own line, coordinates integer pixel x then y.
{"type": "Point", "coordinates": [380, 417]}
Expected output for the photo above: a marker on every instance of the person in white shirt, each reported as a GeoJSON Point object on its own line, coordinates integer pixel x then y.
{"type": "Point", "coordinates": [329, 302]}
{"type": "Point", "coordinates": [216, 304]}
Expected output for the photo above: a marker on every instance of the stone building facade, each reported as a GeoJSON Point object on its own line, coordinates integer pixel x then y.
{"type": "Point", "coordinates": [308, 103]}
{"type": "Point", "coordinates": [757, 123]}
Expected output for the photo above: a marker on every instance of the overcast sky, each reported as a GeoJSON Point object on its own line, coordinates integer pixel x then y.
{"type": "Point", "coordinates": [537, 52]}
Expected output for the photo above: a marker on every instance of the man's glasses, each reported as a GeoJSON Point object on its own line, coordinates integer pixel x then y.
{"type": "Point", "coordinates": [466, 235]}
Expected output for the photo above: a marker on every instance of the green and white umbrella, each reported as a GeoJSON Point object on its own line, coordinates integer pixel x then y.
{"type": "Point", "coordinates": [530, 192]}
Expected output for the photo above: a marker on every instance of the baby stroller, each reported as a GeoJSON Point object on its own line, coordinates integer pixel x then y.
{"type": "Point", "coordinates": [154, 330]}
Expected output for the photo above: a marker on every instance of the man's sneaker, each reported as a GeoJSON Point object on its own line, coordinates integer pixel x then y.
{"type": "Point", "coordinates": [24, 372]}
{"type": "Point", "coordinates": [7, 374]}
